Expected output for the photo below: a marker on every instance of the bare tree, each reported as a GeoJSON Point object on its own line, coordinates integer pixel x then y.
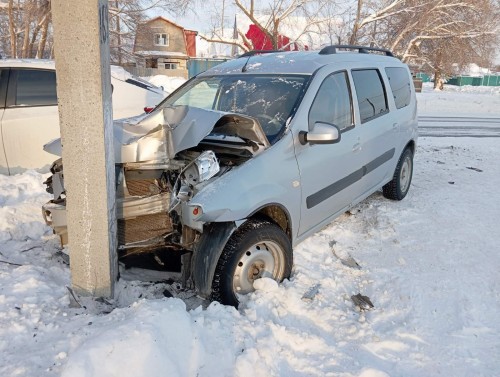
{"type": "Point", "coordinates": [29, 31]}
{"type": "Point", "coordinates": [271, 20]}
{"type": "Point", "coordinates": [439, 35]}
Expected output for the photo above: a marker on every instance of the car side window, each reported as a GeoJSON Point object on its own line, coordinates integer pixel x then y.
{"type": "Point", "coordinates": [400, 85]}
{"type": "Point", "coordinates": [333, 103]}
{"type": "Point", "coordinates": [4, 78]}
{"type": "Point", "coordinates": [35, 88]}
{"type": "Point", "coordinates": [202, 95]}
{"type": "Point", "coordinates": [370, 91]}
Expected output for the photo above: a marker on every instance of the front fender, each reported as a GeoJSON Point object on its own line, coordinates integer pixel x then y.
{"type": "Point", "coordinates": [238, 206]}
{"type": "Point", "coordinates": [207, 253]}
{"type": "Point", "coordinates": [270, 177]}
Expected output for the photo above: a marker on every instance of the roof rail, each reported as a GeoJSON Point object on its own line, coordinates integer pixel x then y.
{"type": "Point", "coordinates": [256, 52]}
{"type": "Point", "coordinates": [361, 49]}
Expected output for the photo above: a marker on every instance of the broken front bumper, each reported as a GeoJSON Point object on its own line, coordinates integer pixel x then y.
{"type": "Point", "coordinates": [54, 214]}
{"type": "Point", "coordinates": [140, 220]}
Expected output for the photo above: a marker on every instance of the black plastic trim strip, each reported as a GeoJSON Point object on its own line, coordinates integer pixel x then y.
{"type": "Point", "coordinates": [325, 193]}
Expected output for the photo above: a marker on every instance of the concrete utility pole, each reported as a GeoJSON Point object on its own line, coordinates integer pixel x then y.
{"type": "Point", "coordinates": [81, 43]}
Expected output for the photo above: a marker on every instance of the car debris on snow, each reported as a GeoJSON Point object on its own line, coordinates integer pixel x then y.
{"type": "Point", "coordinates": [311, 293]}
{"type": "Point", "coordinates": [363, 302]}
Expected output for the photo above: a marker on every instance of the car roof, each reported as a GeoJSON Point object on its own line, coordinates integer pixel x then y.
{"type": "Point", "coordinates": [28, 63]}
{"type": "Point", "coordinates": [294, 62]}
{"type": "Point", "coordinates": [117, 72]}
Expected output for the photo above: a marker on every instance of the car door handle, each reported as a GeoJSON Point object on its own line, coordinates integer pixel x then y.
{"type": "Point", "coordinates": [395, 127]}
{"type": "Point", "coordinates": [356, 147]}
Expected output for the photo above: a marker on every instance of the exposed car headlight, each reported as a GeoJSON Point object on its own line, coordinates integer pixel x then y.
{"type": "Point", "coordinates": [204, 167]}
{"type": "Point", "coordinates": [201, 169]}
{"type": "Point", "coordinates": [207, 165]}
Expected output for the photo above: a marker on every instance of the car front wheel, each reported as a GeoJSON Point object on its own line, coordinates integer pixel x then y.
{"type": "Point", "coordinates": [259, 248]}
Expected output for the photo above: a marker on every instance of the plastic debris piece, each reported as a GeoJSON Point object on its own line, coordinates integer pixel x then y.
{"type": "Point", "coordinates": [363, 302]}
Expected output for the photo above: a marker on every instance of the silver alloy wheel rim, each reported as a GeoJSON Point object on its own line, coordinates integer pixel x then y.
{"type": "Point", "coordinates": [405, 174]}
{"type": "Point", "coordinates": [264, 259]}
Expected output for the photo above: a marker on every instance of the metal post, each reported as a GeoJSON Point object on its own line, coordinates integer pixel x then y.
{"type": "Point", "coordinates": [81, 44]}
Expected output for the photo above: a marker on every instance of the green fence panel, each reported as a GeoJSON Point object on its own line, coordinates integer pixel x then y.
{"type": "Point", "coordinates": [488, 80]}
{"type": "Point", "coordinates": [424, 77]}
{"type": "Point", "coordinates": [465, 80]}
{"type": "Point", "coordinates": [491, 80]}
{"type": "Point", "coordinates": [198, 65]}
{"type": "Point", "coordinates": [476, 81]}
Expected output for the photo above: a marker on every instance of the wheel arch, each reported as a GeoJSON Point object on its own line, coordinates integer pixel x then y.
{"type": "Point", "coordinates": [215, 236]}
{"type": "Point", "coordinates": [277, 214]}
{"type": "Point", "coordinates": [411, 146]}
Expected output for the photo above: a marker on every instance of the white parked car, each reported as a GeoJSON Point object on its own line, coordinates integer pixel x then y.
{"type": "Point", "coordinates": [29, 115]}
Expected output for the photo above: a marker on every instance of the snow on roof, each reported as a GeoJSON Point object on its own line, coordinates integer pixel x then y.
{"type": "Point", "coordinates": [295, 62]}
{"type": "Point", "coordinates": [117, 72]}
{"type": "Point", "coordinates": [475, 71]}
{"type": "Point", "coordinates": [33, 63]}
{"type": "Point", "coordinates": [162, 53]}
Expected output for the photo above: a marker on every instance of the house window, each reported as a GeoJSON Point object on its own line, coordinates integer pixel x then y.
{"type": "Point", "coordinates": [171, 65]}
{"type": "Point", "coordinates": [161, 39]}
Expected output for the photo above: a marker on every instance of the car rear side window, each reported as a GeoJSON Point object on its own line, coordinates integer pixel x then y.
{"type": "Point", "coordinates": [35, 88]}
{"type": "Point", "coordinates": [370, 92]}
{"type": "Point", "coordinates": [332, 103]}
{"type": "Point", "coordinates": [399, 80]}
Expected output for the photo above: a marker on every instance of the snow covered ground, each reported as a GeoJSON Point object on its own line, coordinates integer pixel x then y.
{"type": "Point", "coordinates": [430, 264]}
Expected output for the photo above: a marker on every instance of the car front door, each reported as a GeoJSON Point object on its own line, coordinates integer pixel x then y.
{"type": "Point", "coordinates": [30, 118]}
{"type": "Point", "coordinates": [330, 173]}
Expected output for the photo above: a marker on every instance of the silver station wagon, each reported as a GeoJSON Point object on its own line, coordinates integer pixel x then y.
{"type": "Point", "coordinates": [246, 160]}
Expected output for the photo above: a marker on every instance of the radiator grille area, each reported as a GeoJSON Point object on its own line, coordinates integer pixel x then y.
{"type": "Point", "coordinates": [143, 228]}
{"type": "Point", "coordinates": [143, 187]}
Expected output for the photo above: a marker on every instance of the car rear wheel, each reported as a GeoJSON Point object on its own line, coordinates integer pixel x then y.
{"type": "Point", "coordinates": [398, 187]}
{"type": "Point", "coordinates": [259, 248]}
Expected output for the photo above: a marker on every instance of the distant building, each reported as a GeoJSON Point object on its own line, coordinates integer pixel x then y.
{"type": "Point", "coordinates": [163, 47]}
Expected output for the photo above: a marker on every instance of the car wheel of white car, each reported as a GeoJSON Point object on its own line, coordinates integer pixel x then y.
{"type": "Point", "coordinates": [259, 248]}
{"type": "Point", "coordinates": [400, 184]}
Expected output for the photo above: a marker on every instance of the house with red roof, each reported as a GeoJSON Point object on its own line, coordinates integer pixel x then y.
{"type": "Point", "coordinates": [164, 46]}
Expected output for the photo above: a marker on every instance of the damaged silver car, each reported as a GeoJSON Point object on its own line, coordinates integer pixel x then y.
{"type": "Point", "coordinates": [251, 157]}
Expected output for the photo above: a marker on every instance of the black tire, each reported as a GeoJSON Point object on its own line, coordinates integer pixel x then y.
{"type": "Point", "coordinates": [257, 248]}
{"type": "Point", "coordinates": [398, 187]}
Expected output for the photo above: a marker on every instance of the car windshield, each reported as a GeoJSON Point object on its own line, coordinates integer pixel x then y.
{"type": "Point", "coordinates": [269, 99]}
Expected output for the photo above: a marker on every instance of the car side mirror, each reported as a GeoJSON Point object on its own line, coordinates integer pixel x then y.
{"type": "Point", "coordinates": [322, 133]}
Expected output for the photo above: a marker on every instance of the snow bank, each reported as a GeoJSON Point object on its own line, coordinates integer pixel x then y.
{"type": "Point", "coordinates": [158, 338]}
{"type": "Point", "coordinates": [474, 101]}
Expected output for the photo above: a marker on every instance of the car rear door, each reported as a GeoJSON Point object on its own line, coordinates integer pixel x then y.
{"type": "Point", "coordinates": [30, 118]}
{"type": "Point", "coordinates": [379, 127]}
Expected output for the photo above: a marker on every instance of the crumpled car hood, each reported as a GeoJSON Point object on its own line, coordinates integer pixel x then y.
{"type": "Point", "coordinates": [160, 135]}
